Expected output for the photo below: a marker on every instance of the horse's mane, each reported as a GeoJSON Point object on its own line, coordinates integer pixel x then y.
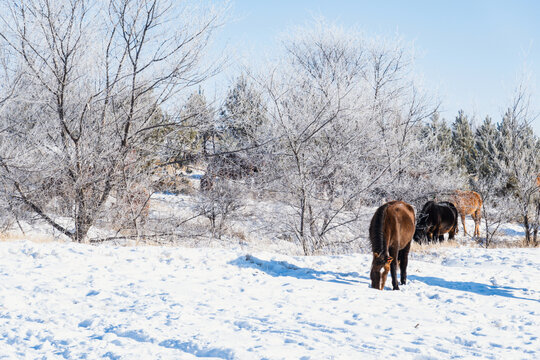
{"type": "Point", "coordinates": [376, 236]}
{"type": "Point", "coordinates": [428, 205]}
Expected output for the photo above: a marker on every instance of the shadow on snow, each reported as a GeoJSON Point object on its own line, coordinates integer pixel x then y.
{"type": "Point", "coordinates": [473, 287]}
{"type": "Point", "coordinates": [282, 268]}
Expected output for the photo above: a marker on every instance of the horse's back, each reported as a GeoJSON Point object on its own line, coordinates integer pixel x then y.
{"type": "Point", "coordinates": [448, 215]}
{"type": "Point", "coordinates": [403, 211]}
{"type": "Point", "coordinates": [448, 209]}
{"type": "Point", "coordinates": [401, 221]}
{"type": "Point", "coordinates": [467, 202]}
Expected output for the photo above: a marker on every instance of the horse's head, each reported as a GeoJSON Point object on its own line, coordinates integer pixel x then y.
{"type": "Point", "coordinates": [381, 262]}
{"type": "Point", "coordinates": [420, 232]}
{"type": "Point", "coordinates": [419, 235]}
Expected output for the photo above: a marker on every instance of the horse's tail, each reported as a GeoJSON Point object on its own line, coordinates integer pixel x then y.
{"type": "Point", "coordinates": [479, 199]}
{"type": "Point", "coordinates": [454, 210]}
{"type": "Point", "coordinates": [376, 232]}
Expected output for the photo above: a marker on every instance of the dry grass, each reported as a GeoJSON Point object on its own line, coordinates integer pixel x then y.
{"type": "Point", "coordinates": [424, 248]}
{"type": "Point", "coordinates": [512, 244]}
{"type": "Point", "coordinates": [37, 238]}
{"type": "Point", "coordinates": [238, 234]}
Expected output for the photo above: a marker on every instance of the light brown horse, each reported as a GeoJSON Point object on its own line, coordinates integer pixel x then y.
{"type": "Point", "coordinates": [390, 232]}
{"type": "Point", "coordinates": [468, 203]}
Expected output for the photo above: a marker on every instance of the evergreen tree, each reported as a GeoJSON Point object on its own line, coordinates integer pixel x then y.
{"type": "Point", "coordinates": [463, 142]}
{"type": "Point", "coordinates": [242, 113]}
{"type": "Point", "coordinates": [519, 161]}
{"type": "Point", "coordinates": [198, 127]}
{"type": "Point", "coordinates": [486, 149]}
{"type": "Point", "coordinates": [437, 136]}
{"type": "Point", "coordinates": [506, 142]}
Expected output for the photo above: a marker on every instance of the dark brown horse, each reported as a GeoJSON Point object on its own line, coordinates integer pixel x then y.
{"type": "Point", "coordinates": [468, 203]}
{"type": "Point", "coordinates": [435, 220]}
{"type": "Point", "coordinates": [390, 232]}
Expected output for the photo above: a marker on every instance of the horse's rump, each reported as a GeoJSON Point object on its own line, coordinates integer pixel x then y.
{"type": "Point", "coordinates": [469, 203]}
{"type": "Point", "coordinates": [391, 226]}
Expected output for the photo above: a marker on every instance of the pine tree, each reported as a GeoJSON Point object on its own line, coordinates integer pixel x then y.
{"type": "Point", "coordinates": [463, 142]}
{"type": "Point", "coordinates": [486, 149]}
{"type": "Point", "coordinates": [198, 126]}
{"type": "Point", "coordinates": [242, 113]}
{"type": "Point", "coordinates": [437, 136]}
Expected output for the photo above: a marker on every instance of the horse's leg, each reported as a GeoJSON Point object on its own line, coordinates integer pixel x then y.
{"type": "Point", "coordinates": [452, 233]}
{"type": "Point", "coordinates": [393, 268]}
{"type": "Point", "coordinates": [441, 238]}
{"type": "Point", "coordinates": [436, 236]}
{"type": "Point", "coordinates": [403, 260]}
{"type": "Point", "coordinates": [385, 273]}
{"type": "Point", "coordinates": [477, 218]}
{"type": "Point", "coordinates": [463, 222]}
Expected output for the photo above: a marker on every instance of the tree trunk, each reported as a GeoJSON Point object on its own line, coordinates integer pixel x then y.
{"type": "Point", "coordinates": [536, 224]}
{"type": "Point", "coordinates": [301, 231]}
{"type": "Point", "coordinates": [527, 229]}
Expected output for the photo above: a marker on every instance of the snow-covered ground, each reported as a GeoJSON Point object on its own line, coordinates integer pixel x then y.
{"type": "Point", "coordinates": [63, 300]}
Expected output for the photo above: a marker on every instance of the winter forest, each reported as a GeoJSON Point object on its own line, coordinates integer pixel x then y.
{"type": "Point", "coordinates": [109, 140]}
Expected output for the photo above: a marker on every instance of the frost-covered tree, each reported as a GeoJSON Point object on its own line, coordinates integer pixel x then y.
{"type": "Point", "coordinates": [93, 76]}
{"type": "Point", "coordinates": [219, 203]}
{"type": "Point", "coordinates": [484, 158]}
{"type": "Point", "coordinates": [488, 180]}
{"type": "Point", "coordinates": [345, 115]}
{"type": "Point", "coordinates": [315, 106]}
{"type": "Point", "coordinates": [437, 134]}
{"type": "Point", "coordinates": [197, 135]}
{"type": "Point", "coordinates": [497, 209]}
{"type": "Point", "coordinates": [242, 114]}
{"type": "Point", "coordinates": [418, 167]}
{"type": "Point", "coordinates": [519, 160]}
{"type": "Point", "coordinates": [463, 141]}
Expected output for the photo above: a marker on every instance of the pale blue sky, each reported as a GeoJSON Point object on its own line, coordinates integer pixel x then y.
{"type": "Point", "coordinates": [469, 52]}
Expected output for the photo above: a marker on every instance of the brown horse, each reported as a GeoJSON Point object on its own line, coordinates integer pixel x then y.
{"type": "Point", "coordinates": [390, 232]}
{"type": "Point", "coordinates": [468, 203]}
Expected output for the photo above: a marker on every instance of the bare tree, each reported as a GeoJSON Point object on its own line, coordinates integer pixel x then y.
{"type": "Point", "coordinates": [520, 160]}
{"type": "Point", "coordinates": [94, 80]}
{"type": "Point", "coordinates": [344, 111]}
{"type": "Point", "coordinates": [496, 208]}
{"type": "Point", "coordinates": [218, 203]}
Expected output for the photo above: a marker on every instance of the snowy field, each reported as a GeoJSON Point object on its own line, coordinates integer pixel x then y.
{"type": "Point", "coordinates": [63, 300]}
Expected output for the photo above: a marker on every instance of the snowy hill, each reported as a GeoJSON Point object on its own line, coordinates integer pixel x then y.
{"type": "Point", "coordinates": [78, 301]}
